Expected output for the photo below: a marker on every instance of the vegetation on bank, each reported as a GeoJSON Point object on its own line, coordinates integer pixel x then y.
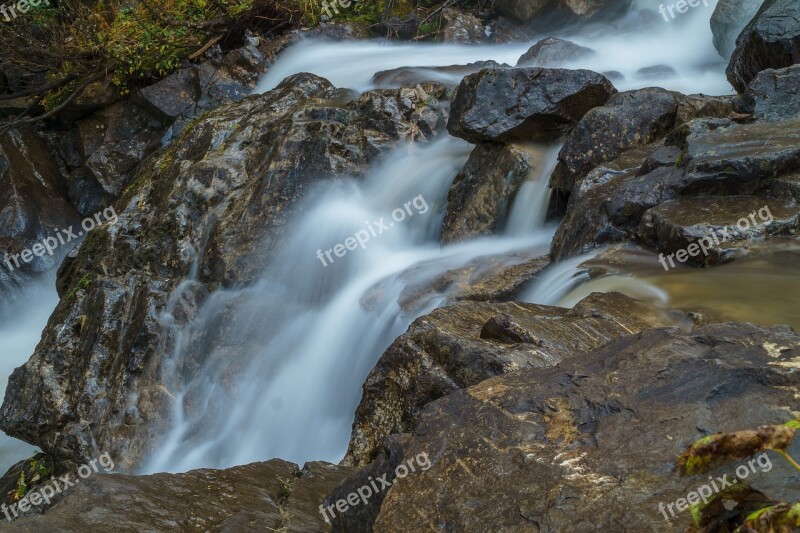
{"type": "Point", "coordinates": [54, 53]}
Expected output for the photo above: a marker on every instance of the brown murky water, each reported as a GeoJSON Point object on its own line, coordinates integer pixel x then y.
{"type": "Point", "coordinates": [763, 289]}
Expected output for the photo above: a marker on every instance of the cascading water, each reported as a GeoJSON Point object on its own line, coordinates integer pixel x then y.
{"type": "Point", "coordinates": [282, 362]}
{"type": "Point", "coordinates": [20, 331]}
{"type": "Point", "coordinates": [297, 392]}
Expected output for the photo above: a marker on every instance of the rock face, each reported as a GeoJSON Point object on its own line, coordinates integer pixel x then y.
{"type": "Point", "coordinates": [215, 202]}
{"type": "Point", "coordinates": [727, 22]}
{"type": "Point", "coordinates": [271, 496]}
{"type": "Point", "coordinates": [770, 40]}
{"type": "Point", "coordinates": [459, 346]}
{"type": "Point", "coordinates": [589, 444]}
{"type": "Point", "coordinates": [551, 52]}
{"type": "Point", "coordinates": [525, 104]}
{"type": "Point", "coordinates": [33, 207]}
{"type": "Point", "coordinates": [481, 196]}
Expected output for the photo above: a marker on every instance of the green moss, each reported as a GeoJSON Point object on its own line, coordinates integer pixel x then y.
{"type": "Point", "coordinates": [82, 284]}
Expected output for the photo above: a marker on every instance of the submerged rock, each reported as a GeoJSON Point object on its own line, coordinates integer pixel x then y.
{"type": "Point", "coordinates": [592, 442]}
{"type": "Point", "coordinates": [461, 345]}
{"type": "Point", "coordinates": [524, 104]}
{"type": "Point", "coordinates": [552, 52]}
{"type": "Point", "coordinates": [770, 40]}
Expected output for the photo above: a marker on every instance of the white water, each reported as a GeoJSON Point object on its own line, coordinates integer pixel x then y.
{"type": "Point", "coordinates": [18, 338]}
{"type": "Point", "coordinates": [300, 383]}
{"type": "Point", "coordinates": [685, 44]}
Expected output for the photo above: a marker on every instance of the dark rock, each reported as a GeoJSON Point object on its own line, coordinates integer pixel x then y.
{"type": "Point", "coordinates": [460, 27]}
{"type": "Point", "coordinates": [507, 30]}
{"type": "Point", "coordinates": [446, 351]}
{"type": "Point", "coordinates": [561, 12]}
{"type": "Point", "coordinates": [591, 444]}
{"type": "Point", "coordinates": [218, 199]}
{"type": "Point", "coordinates": [722, 222]}
{"type": "Point", "coordinates": [770, 40]}
{"type": "Point", "coordinates": [482, 194]}
{"type": "Point", "coordinates": [627, 120]}
{"type": "Point", "coordinates": [773, 95]}
{"type": "Point", "coordinates": [697, 106]}
{"type": "Point", "coordinates": [271, 496]}
{"type": "Point", "coordinates": [727, 22]}
{"type": "Point", "coordinates": [533, 104]}
{"type": "Point", "coordinates": [714, 157]}
{"type": "Point", "coordinates": [553, 52]}
{"type": "Point", "coordinates": [96, 96]}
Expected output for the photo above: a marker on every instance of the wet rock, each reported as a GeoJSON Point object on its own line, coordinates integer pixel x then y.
{"type": "Point", "coordinates": [482, 194]}
{"type": "Point", "coordinates": [727, 22]}
{"type": "Point", "coordinates": [453, 348]}
{"type": "Point", "coordinates": [591, 444]}
{"type": "Point", "coordinates": [712, 157]}
{"type": "Point", "coordinates": [111, 144]}
{"type": "Point", "coordinates": [507, 30]}
{"type": "Point", "coordinates": [528, 104]}
{"type": "Point", "coordinates": [460, 27]}
{"type": "Point", "coordinates": [33, 206]}
{"type": "Point", "coordinates": [773, 95]}
{"type": "Point", "coordinates": [770, 40]}
{"type": "Point", "coordinates": [725, 226]}
{"type": "Point", "coordinates": [271, 496]}
{"type": "Point", "coordinates": [697, 106]}
{"type": "Point", "coordinates": [656, 72]}
{"type": "Point", "coordinates": [552, 52]}
{"type": "Point", "coordinates": [627, 120]}
{"type": "Point", "coordinates": [217, 200]}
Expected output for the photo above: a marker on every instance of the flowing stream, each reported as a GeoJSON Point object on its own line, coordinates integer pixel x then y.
{"type": "Point", "coordinates": [286, 379]}
{"type": "Point", "coordinates": [281, 363]}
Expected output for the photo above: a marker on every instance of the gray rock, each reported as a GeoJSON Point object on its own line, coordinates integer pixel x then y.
{"type": "Point", "coordinates": [727, 22]}
{"type": "Point", "coordinates": [460, 27]}
{"type": "Point", "coordinates": [530, 104]}
{"type": "Point", "coordinates": [770, 40]}
{"type": "Point", "coordinates": [773, 95]}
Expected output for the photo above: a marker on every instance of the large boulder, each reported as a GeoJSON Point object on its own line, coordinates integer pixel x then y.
{"type": "Point", "coordinates": [460, 27]}
{"type": "Point", "coordinates": [461, 345]}
{"type": "Point", "coordinates": [524, 104]}
{"type": "Point", "coordinates": [482, 194]}
{"type": "Point", "coordinates": [217, 202]}
{"type": "Point", "coordinates": [727, 22]}
{"type": "Point", "coordinates": [590, 444]}
{"type": "Point", "coordinates": [271, 496]}
{"type": "Point", "coordinates": [770, 40]}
